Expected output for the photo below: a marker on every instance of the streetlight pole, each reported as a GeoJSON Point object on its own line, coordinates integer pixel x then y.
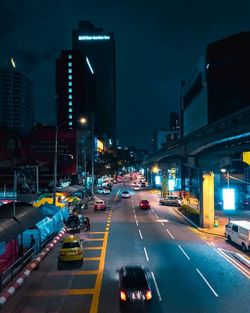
{"type": "Point", "coordinates": [55, 161]}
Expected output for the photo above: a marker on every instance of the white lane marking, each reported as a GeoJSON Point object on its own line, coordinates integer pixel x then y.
{"type": "Point", "coordinates": [153, 211]}
{"type": "Point", "coordinates": [216, 295]}
{"type": "Point", "coordinates": [132, 203]}
{"type": "Point", "coordinates": [140, 233]}
{"type": "Point", "coordinates": [135, 216]}
{"type": "Point", "coordinates": [156, 286]}
{"type": "Point", "coordinates": [184, 253]}
{"type": "Point", "coordinates": [136, 222]}
{"type": "Point", "coordinates": [170, 234]}
{"type": "Point", "coordinates": [162, 223]}
{"type": "Point", "coordinates": [145, 251]}
{"type": "Point", "coordinates": [156, 215]}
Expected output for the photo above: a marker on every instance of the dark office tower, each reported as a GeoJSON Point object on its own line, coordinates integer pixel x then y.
{"type": "Point", "coordinates": [99, 48]}
{"type": "Point", "coordinates": [16, 99]}
{"type": "Point", "coordinates": [74, 88]}
{"type": "Point", "coordinates": [174, 120]}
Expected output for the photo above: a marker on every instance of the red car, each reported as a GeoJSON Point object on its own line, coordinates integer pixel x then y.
{"type": "Point", "coordinates": [99, 205]}
{"type": "Point", "coordinates": [144, 204]}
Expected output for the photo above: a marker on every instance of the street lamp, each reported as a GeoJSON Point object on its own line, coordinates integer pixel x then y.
{"type": "Point", "coordinates": [82, 121]}
{"type": "Point", "coordinates": [224, 171]}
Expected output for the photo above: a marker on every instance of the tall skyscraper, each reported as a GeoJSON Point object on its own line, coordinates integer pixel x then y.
{"type": "Point", "coordinates": [16, 99]}
{"type": "Point", "coordinates": [98, 48]}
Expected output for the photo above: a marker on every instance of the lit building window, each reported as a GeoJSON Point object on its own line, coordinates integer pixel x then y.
{"type": "Point", "coordinates": [70, 56]}
{"type": "Point", "coordinates": [70, 110]}
{"type": "Point", "coordinates": [70, 83]}
{"type": "Point", "coordinates": [70, 96]}
{"type": "Point", "coordinates": [70, 103]}
{"type": "Point", "coordinates": [70, 76]}
{"type": "Point", "coordinates": [69, 64]}
{"type": "Point", "coordinates": [70, 90]}
{"type": "Point", "coordinates": [70, 70]}
{"type": "Point", "coordinates": [70, 116]}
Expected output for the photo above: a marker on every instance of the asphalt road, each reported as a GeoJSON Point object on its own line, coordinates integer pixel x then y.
{"type": "Point", "coordinates": [188, 271]}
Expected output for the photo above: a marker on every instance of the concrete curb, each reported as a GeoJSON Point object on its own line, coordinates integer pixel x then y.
{"type": "Point", "coordinates": [196, 226]}
{"type": "Point", "coordinates": [242, 259]}
{"type": "Point", "coordinates": [10, 290]}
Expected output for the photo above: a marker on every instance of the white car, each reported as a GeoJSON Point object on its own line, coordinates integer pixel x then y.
{"type": "Point", "coordinates": [125, 194]}
{"type": "Point", "coordinates": [137, 187]}
{"type": "Point", "coordinates": [103, 190]}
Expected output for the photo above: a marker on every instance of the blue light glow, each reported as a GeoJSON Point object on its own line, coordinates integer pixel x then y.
{"type": "Point", "coordinates": [69, 64]}
{"type": "Point", "coordinates": [70, 96]}
{"type": "Point", "coordinates": [70, 84]}
{"type": "Point", "coordinates": [86, 37]}
{"type": "Point", "coordinates": [228, 195]}
{"type": "Point", "coordinates": [171, 184]}
{"type": "Point", "coordinates": [70, 76]}
{"type": "Point", "coordinates": [70, 70]}
{"type": "Point", "coordinates": [158, 180]}
{"type": "Point", "coordinates": [89, 65]}
{"type": "Point", "coordinates": [70, 123]}
{"type": "Point", "coordinates": [70, 103]}
{"type": "Point", "coordinates": [70, 56]}
{"type": "Point", "coordinates": [70, 116]}
{"type": "Point", "coordinates": [70, 90]}
{"type": "Point", "coordinates": [70, 109]}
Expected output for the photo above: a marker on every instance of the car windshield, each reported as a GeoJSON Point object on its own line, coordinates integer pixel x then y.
{"type": "Point", "coordinates": [99, 202]}
{"type": "Point", "coordinates": [125, 192]}
{"type": "Point", "coordinates": [69, 245]}
{"type": "Point", "coordinates": [134, 278]}
{"type": "Point", "coordinates": [144, 201]}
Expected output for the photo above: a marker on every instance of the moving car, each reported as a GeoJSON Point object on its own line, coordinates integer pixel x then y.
{"type": "Point", "coordinates": [239, 233]}
{"type": "Point", "coordinates": [125, 194]}
{"type": "Point", "coordinates": [99, 205]}
{"type": "Point", "coordinates": [133, 285]}
{"type": "Point", "coordinates": [144, 204]}
{"type": "Point", "coordinates": [137, 187]}
{"type": "Point", "coordinates": [77, 222]}
{"type": "Point", "coordinates": [103, 190]}
{"type": "Point", "coordinates": [171, 201]}
{"type": "Point", "coordinates": [71, 249]}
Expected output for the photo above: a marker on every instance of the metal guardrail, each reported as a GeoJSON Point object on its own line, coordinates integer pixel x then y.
{"type": "Point", "coordinates": [19, 264]}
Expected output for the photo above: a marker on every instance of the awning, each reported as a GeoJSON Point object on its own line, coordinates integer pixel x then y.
{"type": "Point", "coordinates": [26, 216]}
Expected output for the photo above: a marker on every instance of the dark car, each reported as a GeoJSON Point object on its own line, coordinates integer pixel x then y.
{"type": "Point", "coordinates": [133, 285]}
{"type": "Point", "coordinates": [76, 223]}
{"type": "Point", "coordinates": [144, 204]}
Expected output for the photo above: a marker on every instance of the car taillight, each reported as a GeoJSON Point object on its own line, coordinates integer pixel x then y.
{"type": "Point", "coordinates": [148, 295]}
{"type": "Point", "coordinates": [123, 296]}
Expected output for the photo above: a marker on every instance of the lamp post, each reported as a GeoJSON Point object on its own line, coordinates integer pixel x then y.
{"type": "Point", "coordinates": [81, 121]}
{"type": "Point", "coordinates": [224, 171]}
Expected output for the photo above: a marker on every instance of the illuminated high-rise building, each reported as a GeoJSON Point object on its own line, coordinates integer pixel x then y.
{"type": "Point", "coordinates": [97, 49]}
{"type": "Point", "coordinates": [16, 99]}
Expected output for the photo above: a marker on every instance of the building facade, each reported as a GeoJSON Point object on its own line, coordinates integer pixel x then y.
{"type": "Point", "coordinates": [98, 49]}
{"type": "Point", "coordinates": [16, 99]}
{"type": "Point", "coordinates": [219, 85]}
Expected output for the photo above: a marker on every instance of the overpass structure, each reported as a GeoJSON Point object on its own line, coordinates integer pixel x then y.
{"type": "Point", "coordinates": [207, 150]}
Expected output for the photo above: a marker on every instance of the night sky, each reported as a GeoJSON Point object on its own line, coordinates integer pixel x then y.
{"type": "Point", "coordinates": [158, 43]}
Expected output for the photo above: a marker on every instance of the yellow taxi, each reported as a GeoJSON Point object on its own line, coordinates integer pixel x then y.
{"type": "Point", "coordinates": [42, 199]}
{"type": "Point", "coordinates": [71, 249]}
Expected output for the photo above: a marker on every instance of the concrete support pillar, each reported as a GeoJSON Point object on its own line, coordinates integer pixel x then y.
{"type": "Point", "coordinates": [207, 201]}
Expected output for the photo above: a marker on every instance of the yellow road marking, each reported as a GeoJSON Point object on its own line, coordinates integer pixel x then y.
{"type": "Point", "coordinates": [107, 228]}
{"type": "Point", "coordinates": [64, 273]}
{"type": "Point", "coordinates": [62, 292]}
{"type": "Point", "coordinates": [92, 259]}
{"type": "Point", "coordinates": [98, 284]}
{"type": "Point", "coordinates": [94, 239]}
{"type": "Point", "coordinates": [92, 248]}
{"type": "Point", "coordinates": [108, 224]}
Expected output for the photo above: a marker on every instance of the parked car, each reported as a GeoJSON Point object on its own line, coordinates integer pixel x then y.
{"type": "Point", "coordinates": [125, 194]}
{"type": "Point", "coordinates": [239, 233]}
{"type": "Point", "coordinates": [137, 187]}
{"type": "Point", "coordinates": [144, 204]}
{"type": "Point", "coordinates": [171, 201]}
{"type": "Point", "coordinates": [99, 205]}
{"type": "Point", "coordinates": [134, 285]}
{"type": "Point", "coordinates": [71, 250]}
